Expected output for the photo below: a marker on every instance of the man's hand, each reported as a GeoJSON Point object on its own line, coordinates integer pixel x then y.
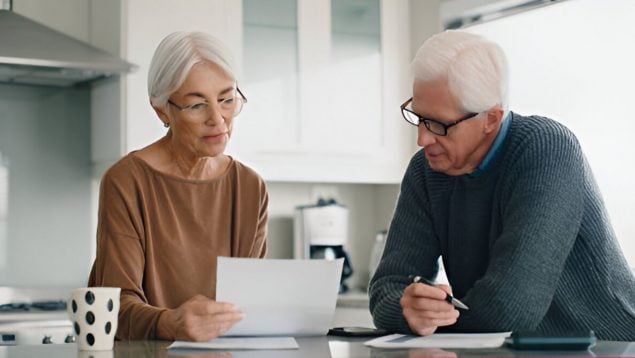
{"type": "Point", "coordinates": [198, 319]}
{"type": "Point", "coordinates": [425, 308]}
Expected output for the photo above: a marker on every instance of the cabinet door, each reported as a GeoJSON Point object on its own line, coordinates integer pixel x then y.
{"type": "Point", "coordinates": [268, 123]}
{"type": "Point", "coordinates": [340, 73]}
{"type": "Point", "coordinates": [324, 79]}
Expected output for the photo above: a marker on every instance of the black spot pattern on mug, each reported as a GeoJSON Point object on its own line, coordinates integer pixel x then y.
{"type": "Point", "coordinates": [90, 317]}
{"type": "Point", "coordinates": [108, 327]}
{"type": "Point", "coordinates": [76, 328]}
{"type": "Point", "coordinates": [74, 306]}
{"type": "Point", "coordinates": [90, 297]}
{"type": "Point", "coordinates": [110, 305]}
{"type": "Point", "coordinates": [90, 339]}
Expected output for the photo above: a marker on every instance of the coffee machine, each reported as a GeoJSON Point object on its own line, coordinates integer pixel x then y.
{"type": "Point", "coordinates": [321, 232]}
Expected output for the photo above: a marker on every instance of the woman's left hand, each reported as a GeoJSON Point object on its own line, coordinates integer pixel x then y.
{"type": "Point", "coordinates": [198, 319]}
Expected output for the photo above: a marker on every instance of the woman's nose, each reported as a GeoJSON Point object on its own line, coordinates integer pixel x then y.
{"type": "Point", "coordinates": [215, 116]}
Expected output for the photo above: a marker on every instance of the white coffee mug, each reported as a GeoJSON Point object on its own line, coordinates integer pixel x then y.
{"type": "Point", "coordinates": [94, 311]}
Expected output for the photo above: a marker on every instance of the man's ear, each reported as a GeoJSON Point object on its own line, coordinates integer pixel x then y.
{"type": "Point", "coordinates": [493, 120]}
{"type": "Point", "coordinates": [160, 111]}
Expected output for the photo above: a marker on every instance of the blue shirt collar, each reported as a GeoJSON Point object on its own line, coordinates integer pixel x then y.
{"type": "Point", "coordinates": [495, 148]}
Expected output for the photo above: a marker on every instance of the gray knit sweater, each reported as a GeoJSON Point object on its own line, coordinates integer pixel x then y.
{"type": "Point", "coordinates": [527, 245]}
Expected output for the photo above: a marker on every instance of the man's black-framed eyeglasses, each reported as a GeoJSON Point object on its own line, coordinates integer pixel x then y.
{"type": "Point", "coordinates": [432, 125]}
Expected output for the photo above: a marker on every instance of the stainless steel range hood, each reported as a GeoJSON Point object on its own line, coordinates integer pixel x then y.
{"type": "Point", "coordinates": [34, 54]}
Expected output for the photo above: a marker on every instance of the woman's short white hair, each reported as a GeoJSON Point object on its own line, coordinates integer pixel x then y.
{"type": "Point", "coordinates": [174, 58]}
{"type": "Point", "coordinates": [476, 68]}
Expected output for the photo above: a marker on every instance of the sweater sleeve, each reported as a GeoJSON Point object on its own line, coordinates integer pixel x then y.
{"type": "Point", "coordinates": [542, 208]}
{"type": "Point", "coordinates": [120, 260]}
{"type": "Point", "coordinates": [411, 248]}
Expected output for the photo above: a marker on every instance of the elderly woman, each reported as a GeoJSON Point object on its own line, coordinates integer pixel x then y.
{"type": "Point", "coordinates": [167, 211]}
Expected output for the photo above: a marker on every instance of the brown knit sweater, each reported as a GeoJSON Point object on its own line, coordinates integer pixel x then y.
{"type": "Point", "coordinates": [158, 236]}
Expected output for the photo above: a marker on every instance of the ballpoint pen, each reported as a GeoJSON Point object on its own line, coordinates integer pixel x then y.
{"type": "Point", "coordinates": [449, 298]}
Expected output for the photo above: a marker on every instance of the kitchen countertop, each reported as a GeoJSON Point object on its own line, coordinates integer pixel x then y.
{"type": "Point", "coordinates": [333, 347]}
{"type": "Point", "coordinates": [21, 294]}
{"type": "Point", "coordinates": [31, 326]}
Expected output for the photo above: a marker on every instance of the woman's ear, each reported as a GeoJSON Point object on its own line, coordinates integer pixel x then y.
{"type": "Point", "coordinates": [162, 113]}
{"type": "Point", "coordinates": [493, 120]}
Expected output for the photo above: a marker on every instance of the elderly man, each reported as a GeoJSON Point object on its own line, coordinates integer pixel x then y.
{"type": "Point", "coordinates": [509, 203]}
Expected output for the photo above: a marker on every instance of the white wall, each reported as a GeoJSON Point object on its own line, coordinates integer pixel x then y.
{"type": "Point", "coordinates": [573, 62]}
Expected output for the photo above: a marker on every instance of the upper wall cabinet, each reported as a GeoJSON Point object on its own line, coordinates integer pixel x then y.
{"type": "Point", "coordinates": [147, 22]}
{"type": "Point", "coordinates": [122, 118]}
{"type": "Point", "coordinates": [324, 80]}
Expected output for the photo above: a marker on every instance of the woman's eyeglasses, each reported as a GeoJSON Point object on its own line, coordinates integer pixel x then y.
{"type": "Point", "coordinates": [229, 107]}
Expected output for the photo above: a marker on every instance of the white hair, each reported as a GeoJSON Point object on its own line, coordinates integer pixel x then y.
{"type": "Point", "coordinates": [476, 68]}
{"type": "Point", "coordinates": [174, 58]}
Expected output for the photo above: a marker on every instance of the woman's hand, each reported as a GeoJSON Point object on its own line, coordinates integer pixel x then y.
{"type": "Point", "coordinates": [198, 319]}
{"type": "Point", "coordinates": [425, 308]}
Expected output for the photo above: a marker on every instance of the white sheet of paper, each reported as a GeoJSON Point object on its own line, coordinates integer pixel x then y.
{"type": "Point", "coordinates": [240, 343]}
{"type": "Point", "coordinates": [280, 297]}
{"type": "Point", "coordinates": [441, 340]}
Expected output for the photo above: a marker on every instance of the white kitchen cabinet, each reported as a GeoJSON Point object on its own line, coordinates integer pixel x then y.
{"type": "Point", "coordinates": [324, 87]}
{"type": "Point", "coordinates": [147, 22]}
{"type": "Point", "coordinates": [324, 79]}
{"type": "Point", "coordinates": [122, 118]}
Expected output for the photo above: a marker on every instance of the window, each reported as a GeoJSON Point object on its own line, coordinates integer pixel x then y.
{"type": "Point", "coordinates": [573, 62]}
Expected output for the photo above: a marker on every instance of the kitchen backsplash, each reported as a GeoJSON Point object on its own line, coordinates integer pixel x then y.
{"type": "Point", "coordinates": [46, 220]}
{"type": "Point", "coordinates": [370, 208]}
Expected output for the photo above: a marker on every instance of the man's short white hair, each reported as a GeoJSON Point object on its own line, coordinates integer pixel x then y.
{"type": "Point", "coordinates": [476, 68]}
{"type": "Point", "coordinates": [174, 58]}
